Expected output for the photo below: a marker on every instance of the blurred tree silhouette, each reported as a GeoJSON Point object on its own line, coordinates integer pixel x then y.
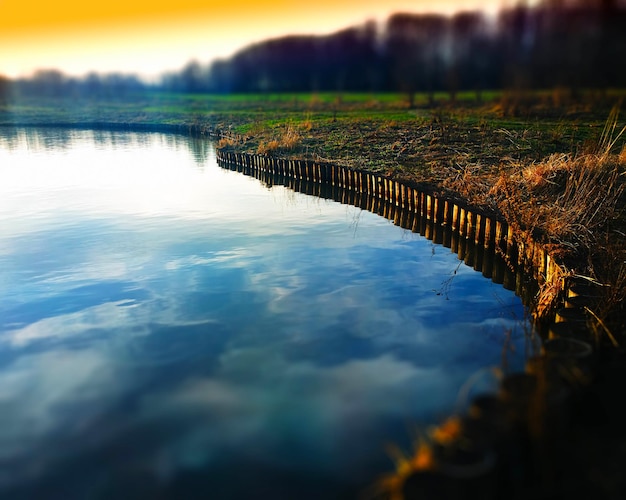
{"type": "Point", "coordinates": [415, 46]}
{"type": "Point", "coordinates": [569, 45]}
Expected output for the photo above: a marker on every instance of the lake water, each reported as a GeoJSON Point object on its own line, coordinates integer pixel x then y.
{"type": "Point", "coordinates": [173, 329]}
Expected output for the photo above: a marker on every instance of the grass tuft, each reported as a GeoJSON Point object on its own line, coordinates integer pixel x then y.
{"type": "Point", "coordinates": [565, 199]}
{"type": "Point", "coordinates": [226, 142]}
{"type": "Point", "coordinates": [288, 141]}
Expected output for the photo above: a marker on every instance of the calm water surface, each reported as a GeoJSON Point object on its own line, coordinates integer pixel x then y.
{"type": "Point", "coordinates": [172, 329]}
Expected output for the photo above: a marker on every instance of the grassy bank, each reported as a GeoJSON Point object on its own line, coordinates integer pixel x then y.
{"type": "Point", "coordinates": [551, 164]}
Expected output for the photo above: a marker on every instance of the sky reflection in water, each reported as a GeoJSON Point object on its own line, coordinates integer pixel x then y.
{"type": "Point", "coordinates": [167, 325]}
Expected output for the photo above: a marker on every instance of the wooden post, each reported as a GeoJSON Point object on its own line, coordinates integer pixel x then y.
{"type": "Point", "coordinates": [500, 237]}
{"type": "Point", "coordinates": [499, 268]}
{"type": "Point", "coordinates": [447, 213]}
{"type": "Point", "coordinates": [454, 241]}
{"type": "Point", "coordinates": [447, 236]}
{"type": "Point", "coordinates": [417, 205]}
{"type": "Point", "coordinates": [479, 256]}
{"type": "Point", "coordinates": [488, 261]}
{"type": "Point", "coordinates": [489, 232]}
{"type": "Point", "coordinates": [479, 231]}
{"type": "Point", "coordinates": [470, 222]}
{"type": "Point", "coordinates": [438, 234]}
{"type": "Point", "coordinates": [455, 218]}
{"type": "Point", "coordinates": [469, 251]}
{"type": "Point", "coordinates": [508, 281]}
{"type": "Point", "coordinates": [405, 216]}
{"type": "Point", "coordinates": [428, 230]}
{"type": "Point", "coordinates": [461, 248]}
{"type": "Point", "coordinates": [416, 223]}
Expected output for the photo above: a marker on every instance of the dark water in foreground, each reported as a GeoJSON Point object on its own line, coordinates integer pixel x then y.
{"type": "Point", "coordinates": [171, 329]}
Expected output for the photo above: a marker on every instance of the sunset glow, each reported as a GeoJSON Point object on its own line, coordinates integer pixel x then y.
{"type": "Point", "coordinates": [151, 37]}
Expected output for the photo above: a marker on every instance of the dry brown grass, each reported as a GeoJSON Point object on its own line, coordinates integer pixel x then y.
{"type": "Point", "coordinates": [622, 157]}
{"type": "Point", "coordinates": [547, 174]}
{"type": "Point", "coordinates": [307, 124]}
{"type": "Point", "coordinates": [609, 138]}
{"type": "Point", "coordinates": [268, 147]}
{"type": "Point", "coordinates": [227, 142]}
{"type": "Point", "coordinates": [608, 267]}
{"type": "Point", "coordinates": [574, 203]}
{"type": "Point", "coordinates": [289, 140]}
{"type": "Point", "coordinates": [390, 485]}
{"type": "Point", "coordinates": [565, 199]}
{"type": "Point", "coordinates": [577, 203]}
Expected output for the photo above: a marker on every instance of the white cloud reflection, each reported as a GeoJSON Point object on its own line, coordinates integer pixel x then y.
{"type": "Point", "coordinates": [61, 327]}
{"type": "Point", "coordinates": [258, 396]}
{"type": "Point", "coordinates": [53, 393]}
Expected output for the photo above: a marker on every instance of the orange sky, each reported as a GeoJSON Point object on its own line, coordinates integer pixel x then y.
{"type": "Point", "coordinates": [148, 37]}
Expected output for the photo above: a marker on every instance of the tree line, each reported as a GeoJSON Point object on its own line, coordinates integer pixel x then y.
{"type": "Point", "coordinates": [575, 44]}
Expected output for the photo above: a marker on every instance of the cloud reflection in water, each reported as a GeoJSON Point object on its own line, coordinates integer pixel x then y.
{"type": "Point", "coordinates": [197, 332]}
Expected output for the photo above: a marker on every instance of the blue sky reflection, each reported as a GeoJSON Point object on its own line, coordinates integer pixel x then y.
{"type": "Point", "coordinates": [167, 316]}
